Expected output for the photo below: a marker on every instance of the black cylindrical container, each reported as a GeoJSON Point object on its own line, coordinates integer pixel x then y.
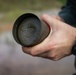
{"type": "Point", "coordinates": [29, 30]}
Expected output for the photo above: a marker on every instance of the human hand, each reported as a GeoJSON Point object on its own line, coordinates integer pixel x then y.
{"type": "Point", "coordinates": [59, 42]}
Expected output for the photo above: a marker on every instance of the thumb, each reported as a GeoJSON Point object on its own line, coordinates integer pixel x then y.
{"type": "Point", "coordinates": [48, 19]}
{"type": "Point", "coordinates": [52, 22]}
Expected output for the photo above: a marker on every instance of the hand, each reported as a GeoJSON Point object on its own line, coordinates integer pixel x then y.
{"type": "Point", "coordinates": [59, 42]}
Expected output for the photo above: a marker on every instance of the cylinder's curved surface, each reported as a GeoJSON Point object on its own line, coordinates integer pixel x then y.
{"type": "Point", "coordinates": [29, 30]}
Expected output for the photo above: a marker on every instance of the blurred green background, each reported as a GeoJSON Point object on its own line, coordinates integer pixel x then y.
{"type": "Point", "coordinates": [10, 5]}
{"type": "Point", "coordinates": [11, 9]}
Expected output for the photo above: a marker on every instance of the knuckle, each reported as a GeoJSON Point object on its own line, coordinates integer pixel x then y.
{"type": "Point", "coordinates": [55, 59]}
{"type": "Point", "coordinates": [33, 53]}
{"type": "Point", "coordinates": [50, 47]}
{"type": "Point", "coordinates": [52, 55]}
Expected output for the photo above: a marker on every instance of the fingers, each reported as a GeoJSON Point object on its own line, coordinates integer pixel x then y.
{"type": "Point", "coordinates": [43, 55]}
{"type": "Point", "coordinates": [52, 22]}
{"type": "Point", "coordinates": [40, 48]}
{"type": "Point", "coordinates": [38, 54]}
{"type": "Point", "coordinates": [34, 51]}
{"type": "Point", "coordinates": [46, 55]}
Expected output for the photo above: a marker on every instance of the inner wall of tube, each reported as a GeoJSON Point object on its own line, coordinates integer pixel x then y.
{"type": "Point", "coordinates": [29, 31]}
